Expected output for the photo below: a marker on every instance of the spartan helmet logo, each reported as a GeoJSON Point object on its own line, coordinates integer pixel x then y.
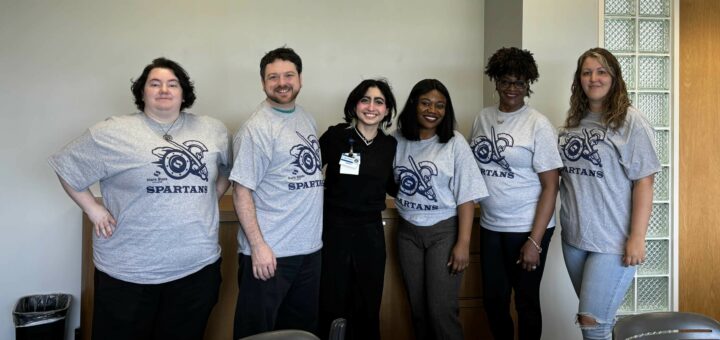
{"type": "Point", "coordinates": [417, 178]}
{"type": "Point", "coordinates": [575, 147]}
{"type": "Point", "coordinates": [307, 155]}
{"type": "Point", "coordinates": [182, 160]}
{"type": "Point", "coordinates": [488, 150]}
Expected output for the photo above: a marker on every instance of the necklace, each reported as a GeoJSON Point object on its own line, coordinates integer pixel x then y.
{"type": "Point", "coordinates": [367, 141]}
{"type": "Point", "coordinates": [166, 132]}
{"type": "Point", "coordinates": [499, 119]}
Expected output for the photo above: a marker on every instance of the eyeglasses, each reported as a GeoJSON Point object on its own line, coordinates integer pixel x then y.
{"type": "Point", "coordinates": [505, 84]}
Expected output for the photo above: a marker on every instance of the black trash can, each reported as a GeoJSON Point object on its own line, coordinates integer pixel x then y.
{"type": "Point", "coordinates": [41, 317]}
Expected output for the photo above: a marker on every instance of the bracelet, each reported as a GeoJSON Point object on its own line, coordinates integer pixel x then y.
{"type": "Point", "coordinates": [538, 247]}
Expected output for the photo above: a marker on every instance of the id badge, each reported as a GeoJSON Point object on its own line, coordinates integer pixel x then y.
{"type": "Point", "coordinates": [350, 163]}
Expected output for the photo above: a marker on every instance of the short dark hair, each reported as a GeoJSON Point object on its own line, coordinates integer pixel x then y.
{"type": "Point", "coordinates": [408, 123]}
{"type": "Point", "coordinates": [512, 61]}
{"type": "Point", "coordinates": [359, 91]}
{"type": "Point", "coordinates": [282, 53]}
{"type": "Point", "coordinates": [188, 89]}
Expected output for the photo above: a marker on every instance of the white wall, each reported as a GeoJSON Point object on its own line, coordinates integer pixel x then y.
{"type": "Point", "coordinates": [65, 65]}
{"type": "Point", "coordinates": [503, 28]}
{"type": "Point", "coordinates": [557, 32]}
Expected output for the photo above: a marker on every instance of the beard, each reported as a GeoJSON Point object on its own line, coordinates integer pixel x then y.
{"type": "Point", "coordinates": [280, 100]}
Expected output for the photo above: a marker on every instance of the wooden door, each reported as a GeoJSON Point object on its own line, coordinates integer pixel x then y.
{"type": "Point", "coordinates": [699, 187]}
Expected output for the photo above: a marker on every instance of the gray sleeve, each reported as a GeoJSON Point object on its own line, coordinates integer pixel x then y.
{"type": "Point", "coordinates": [637, 154]}
{"type": "Point", "coordinates": [226, 158]}
{"type": "Point", "coordinates": [475, 127]}
{"type": "Point", "coordinates": [545, 152]}
{"type": "Point", "coordinates": [252, 156]}
{"type": "Point", "coordinates": [467, 183]}
{"type": "Point", "coordinates": [80, 162]}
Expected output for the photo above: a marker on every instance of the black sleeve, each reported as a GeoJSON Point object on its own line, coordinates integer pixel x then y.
{"type": "Point", "coordinates": [391, 187]}
{"type": "Point", "coordinates": [325, 145]}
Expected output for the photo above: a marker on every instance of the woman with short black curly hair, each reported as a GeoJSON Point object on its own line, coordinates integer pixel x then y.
{"type": "Point", "coordinates": [515, 147]}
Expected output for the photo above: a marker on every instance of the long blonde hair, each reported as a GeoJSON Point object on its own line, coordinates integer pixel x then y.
{"type": "Point", "coordinates": [616, 102]}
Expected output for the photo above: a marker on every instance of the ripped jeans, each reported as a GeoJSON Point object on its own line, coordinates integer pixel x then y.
{"type": "Point", "coordinates": [600, 281]}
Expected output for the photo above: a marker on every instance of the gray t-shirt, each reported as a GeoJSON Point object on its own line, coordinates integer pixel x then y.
{"type": "Point", "coordinates": [435, 178]}
{"type": "Point", "coordinates": [278, 158]}
{"type": "Point", "coordinates": [162, 194]}
{"type": "Point", "coordinates": [511, 148]}
{"type": "Point", "coordinates": [596, 187]}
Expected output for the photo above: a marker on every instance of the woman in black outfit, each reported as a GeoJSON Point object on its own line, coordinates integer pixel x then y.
{"type": "Point", "coordinates": [359, 157]}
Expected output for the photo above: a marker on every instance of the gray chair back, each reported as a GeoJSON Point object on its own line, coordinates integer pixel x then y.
{"type": "Point", "coordinates": [285, 334]}
{"type": "Point", "coordinates": [337, 329]}
{"type": "Point", "coordinates": [666, 326]}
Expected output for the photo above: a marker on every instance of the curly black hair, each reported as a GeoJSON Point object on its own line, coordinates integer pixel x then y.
{"type": "Point", "coordinates": [512, 61]}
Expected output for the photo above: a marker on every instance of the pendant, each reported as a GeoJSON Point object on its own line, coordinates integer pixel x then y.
{"type": "Point", "coordinates": [167, 137]}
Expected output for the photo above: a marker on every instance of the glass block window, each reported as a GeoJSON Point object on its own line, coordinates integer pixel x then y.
{"type": "Point", "coordinates": [639, 33]}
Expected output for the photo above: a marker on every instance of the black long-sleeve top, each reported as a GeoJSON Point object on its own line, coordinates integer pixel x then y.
{"type": "Point", "coordinates": [357, 198]}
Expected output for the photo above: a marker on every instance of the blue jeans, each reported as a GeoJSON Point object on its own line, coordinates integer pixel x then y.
{"type": "Point", "coordinates": [600, 281]}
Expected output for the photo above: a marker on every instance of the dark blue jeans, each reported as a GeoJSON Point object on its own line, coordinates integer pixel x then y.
{"type": "Point", "coordinates": [502, 275]}
{"type": "Point", "coordinates": [288, 300]}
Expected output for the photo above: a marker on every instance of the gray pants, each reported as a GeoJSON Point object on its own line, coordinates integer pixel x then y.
{"type": "Point", "coordinates": [432, 290]}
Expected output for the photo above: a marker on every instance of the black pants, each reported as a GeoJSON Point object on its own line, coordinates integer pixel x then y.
{"type": "Point", "coordinates": [501, 275]}
{"type": "Point", "coordinates": [351, 285]}
{"type": "Point", "coordinates": [173, 310]}
{"type": "Point", "coordinates": [288, 300]}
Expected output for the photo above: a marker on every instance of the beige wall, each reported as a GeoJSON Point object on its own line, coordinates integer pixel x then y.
{"type": "Point", "coordinates": [557, 32]}
{"type": "Point", "coordinates": [503, 28]}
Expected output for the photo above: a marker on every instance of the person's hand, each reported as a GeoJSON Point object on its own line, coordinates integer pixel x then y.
{"type": "Point", "coordinates": [263, 262]}
{"type": "Point", "coordinates": [634, 252]}
{"type": "Point", "coordinates": [459, 258]}
{"type": "Point", "coordinates": [103, 221]}
{"type": "Point", "coordinates": [529, 258]}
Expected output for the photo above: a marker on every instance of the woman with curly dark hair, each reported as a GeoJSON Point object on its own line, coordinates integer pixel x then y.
{"type": "Point", "coordinates": [515, 147]}
{"type": "Point", "coordinates": [606, 190]}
